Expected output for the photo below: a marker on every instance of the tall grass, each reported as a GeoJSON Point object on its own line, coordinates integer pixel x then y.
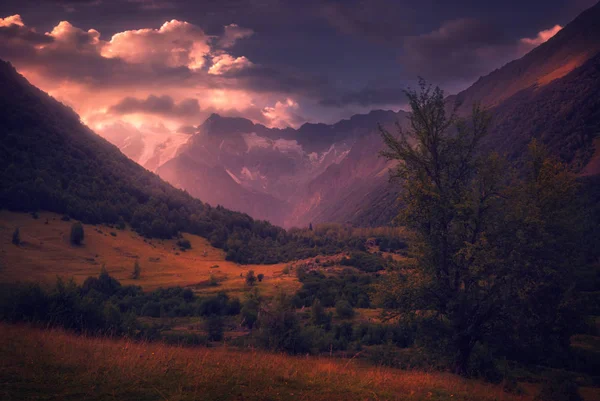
{"type": "Point", "coordinates": [55, 365]}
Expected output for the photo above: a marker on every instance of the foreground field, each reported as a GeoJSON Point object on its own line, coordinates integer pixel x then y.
{"type": "Point", "coordinates": [54, 365]}
{"type": "Point", "coordinates": [46, 253]}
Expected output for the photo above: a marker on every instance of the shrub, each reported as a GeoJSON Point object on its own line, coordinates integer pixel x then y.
{"type": "Point", "coordinates": [77, 233]}
{"type": "Point", "coordinates": [559, 387]}
{"type": "Point", "coordinates": [343, 309]}
{"type": "Point", "coordinates": [184, 244]}
{"type": "Point", "coordinates": [260, 277]}
{"type": "Point", "coordinates": [137, 270]}
{"type": "Point", "coordinates": [250, 278]}
{"type": "Point", "coordinates": [65, 218]}
{"type": "Point", "coordinates": [212, 281]}
{"type": "Point", "coordinates": [16, 237]}
{"type": "Point", "coordinates": [214, 328]}
{"type": "Point", "coordinates": [286, 270]}
{"type": "Point", "coordinates": [114, 234]}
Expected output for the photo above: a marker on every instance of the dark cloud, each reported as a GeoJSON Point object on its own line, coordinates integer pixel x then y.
{"type": "Point", "coordinates": [458, 50]}
{"type": "Point", "coordinates": [379, 20]}
{"type": "Point", "coordinates": [159, 105]}
{"type": "Point", "coordinates": [368, 96]}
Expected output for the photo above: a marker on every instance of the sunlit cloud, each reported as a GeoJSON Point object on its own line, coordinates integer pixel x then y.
{"type": "Point", "coordinates": [224, 63]}
{"type": "Point", "coordinates": [542, 36]}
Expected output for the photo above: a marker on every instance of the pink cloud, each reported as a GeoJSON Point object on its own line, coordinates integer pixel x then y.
{"type": "Point", "coordinates": [232, 34]}
{"type": "Point", "coordinates": [174, 44]}
{"type": "Point", "coordinates": [542, 36]}
{"type": "Point", "coordinates": [224, 63]}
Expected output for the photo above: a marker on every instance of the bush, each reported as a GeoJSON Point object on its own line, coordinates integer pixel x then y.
{"type": "Point", "coordinates": [559, 387]}
{"type": "Point", "coordinates": [260, 277]}
{"type": "Point", "coordinates": [137, 270]}
{"type": "Point", "coordinates": [343, 309]}
{"type": "Point", "coordinates": [77, 233]}
{"type": "Point", "coordinates": [184, 244]}
{"type": "Point", "coordinates": [286, 270]}
{"type": "Point", "coordinates": [214, 328]}
{"type": "Point", "coordinates": [16, 237]}
{"type": "Point", "coordinates": [250, 278]}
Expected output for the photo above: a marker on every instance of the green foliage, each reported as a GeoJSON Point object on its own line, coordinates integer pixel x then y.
{"type": "Point", "coordinates": [279, 327]}
{"type": "Point", "coordinates": [365, 261]}
{"type": "Point", "coordinates": [77, 233]}
{"type": "Point", "coordinates": [495, 249]}
{"type": "Point", "coordinates": [350, 286]}
{"type": "Point", "coordinates": [16, 237]}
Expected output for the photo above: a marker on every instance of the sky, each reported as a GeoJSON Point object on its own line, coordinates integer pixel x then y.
{"type": "Point", "coordinates": [165, 66]}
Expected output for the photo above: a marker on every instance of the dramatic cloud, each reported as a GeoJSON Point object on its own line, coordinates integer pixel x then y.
{"type": "Point", "coordinates": [174, 44]}
{"type": "Point", "coordinates": [158, 105]}
{"type": "Point", "coordinates": [224, 63]}
{"type": "Point", "coordinates": [92, 75]}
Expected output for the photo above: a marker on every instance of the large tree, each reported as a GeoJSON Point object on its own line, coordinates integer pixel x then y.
{"type": "Point", "coordinates": [481, 229]}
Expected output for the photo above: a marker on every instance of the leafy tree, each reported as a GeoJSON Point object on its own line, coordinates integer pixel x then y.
{"type": "Point", "coordinates": [77, 233]}
{"type": "Point", "coordinates": [481, 232]}
{"type": "Point", "coordinates": [16, 237]}
{"type": "Point", "coordinates": [250, 278]}
{"type": "Point", "coordinates": [343, 309]}
{"type": "Point", "coordinates": [137, 270]}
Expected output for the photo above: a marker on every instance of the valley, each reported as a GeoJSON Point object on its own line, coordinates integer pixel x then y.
{"type": "Point", "coordinates": [200, 210]}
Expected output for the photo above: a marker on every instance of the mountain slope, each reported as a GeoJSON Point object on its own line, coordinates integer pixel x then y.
{"type": "Point", "coordinates": [570, 48]}
{"type": "Point", "coordinates": [50, 161]}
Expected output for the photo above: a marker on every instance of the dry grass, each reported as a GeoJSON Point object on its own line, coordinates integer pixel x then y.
{"type": "Point", "coordinates": [46, 253]}
{"type": "Point", "coordinates": [54, 365]}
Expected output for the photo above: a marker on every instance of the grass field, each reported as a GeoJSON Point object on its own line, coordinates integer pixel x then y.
{"type": "Point", "coordinates": [54, 365]}
{"type": "Point", "coordinates": [46, 253]}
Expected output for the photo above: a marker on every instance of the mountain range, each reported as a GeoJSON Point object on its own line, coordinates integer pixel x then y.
{"type": "Point", "coordinates": [333, 172]}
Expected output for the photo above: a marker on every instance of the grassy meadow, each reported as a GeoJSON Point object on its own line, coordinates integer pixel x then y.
{"type": "Point", "coordinates": [46, 252]}
{"type": "Point", "coordinates": [55, 365]}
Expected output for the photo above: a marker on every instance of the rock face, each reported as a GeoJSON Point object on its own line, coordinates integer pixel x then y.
{"type": "Point", "coordinates": [290, 177]}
